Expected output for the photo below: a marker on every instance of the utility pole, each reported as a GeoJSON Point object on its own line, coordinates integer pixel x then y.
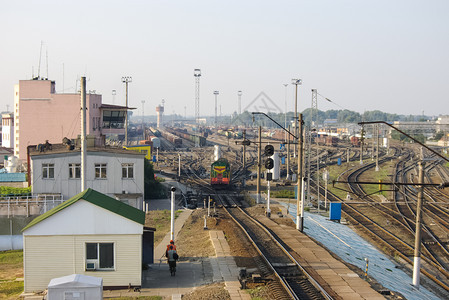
{"type": "Point", "coordinates": [83, 134]}
{"type": "Point", "coordinates": [299, 197]}
{"type": "Point", "coordinates": [244, 150]}
{"type": "Point", "coordinates": [417, 255]}
{"type": "Point", "coordinates": [288, 156]}
{"type": "Point", "coordinates": [258, 164]}
{"type": "Point", "coordinates": [296, 82]}
{"type": "Point", "coordinates": [143, 123]}
{"type": "Point", "coordinates": [362, 137]}
{"type": "Point", "coordinates": [126, 80]}
{"type": "Point", "coordinates": [377, 147]}
{"type": "Point", "coordinates": [285, 115]}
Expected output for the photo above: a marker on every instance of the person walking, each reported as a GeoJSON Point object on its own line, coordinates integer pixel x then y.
{"type": "Point", "coordinates": [172, 257]}
{"type": "Point", "coordinates": [172, 243]}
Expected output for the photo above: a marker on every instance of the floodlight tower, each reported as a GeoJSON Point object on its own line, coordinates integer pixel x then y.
{"type": "Point", "coordinates": [239, 93]}
{"type": "Point", "coordinates": [126, 80]}
{"type": "Point", "coordinates": [197, 75]}
{"type": "Point", "coordinates": [216, 93]}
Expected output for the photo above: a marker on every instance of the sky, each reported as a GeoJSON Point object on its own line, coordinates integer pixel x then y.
{"type": "Point", "coordinates": [383, 55]}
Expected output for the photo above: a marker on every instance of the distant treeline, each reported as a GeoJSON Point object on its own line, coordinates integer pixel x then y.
{"type": "Point", "coordinates": [341, 116]}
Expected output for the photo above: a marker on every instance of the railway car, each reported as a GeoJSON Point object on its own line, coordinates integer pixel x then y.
{"type": "Point", "coordinates": [355, 141]}
{"type": "Point", "coordinates": [220, 173]}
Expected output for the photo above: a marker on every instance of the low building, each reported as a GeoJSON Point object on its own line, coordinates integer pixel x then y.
{"type": "Point", "coordinates": [90, 234]}
{"type": "Point", "coordinates": [116, 172]}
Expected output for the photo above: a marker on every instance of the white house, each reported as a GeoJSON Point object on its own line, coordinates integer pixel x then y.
{"type": "Point", "coordinates": [116, 172]}
{"type": "Point", "coordinates": [90, 234]}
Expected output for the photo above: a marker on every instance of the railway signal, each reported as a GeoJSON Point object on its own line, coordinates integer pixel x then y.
{"type": "Point", "coordinates": [269, 150]}
{"type": "Point", "coordinates": [269, 162]}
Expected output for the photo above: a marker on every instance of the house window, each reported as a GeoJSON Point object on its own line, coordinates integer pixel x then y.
{"type": "Point", "coordinates": [127, 170]}
{"type": "Point", "coordinates": [48, 171]}
{"type": "Point", "coordinates": [100, 170]}
{"type": "Point", "coordinates": [99, 256]}
{"type": "Point", "coordinates": [74, 170]}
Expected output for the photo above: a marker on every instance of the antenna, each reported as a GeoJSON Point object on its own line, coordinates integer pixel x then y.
{"type": "Point", "coordinates": [46, 52]}
{"type": "Point", "coordinates": [40, 56]}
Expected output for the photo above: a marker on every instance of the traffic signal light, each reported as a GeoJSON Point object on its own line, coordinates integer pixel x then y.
{"type": "Point", "coordinates": [269, 150]}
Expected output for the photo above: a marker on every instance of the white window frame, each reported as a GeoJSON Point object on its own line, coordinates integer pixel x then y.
{"type": "Point", "coordinates": [73, 167]}
{"type": "Point", "coordinates": [127, 168]}
{"type": "Point", "coordinates": [46, 171]}
{"type": "Point", "coordinates": [96, 260]}
{"type": "Point", "coordinates": [102, 171]}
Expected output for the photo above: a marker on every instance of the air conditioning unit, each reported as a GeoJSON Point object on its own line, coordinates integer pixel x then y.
{"type": "Point", "coordinates": [91, 265]}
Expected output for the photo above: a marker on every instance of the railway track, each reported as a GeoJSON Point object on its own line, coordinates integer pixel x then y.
{"type": "Point", "coordinates": [399, 244]}
{"type": "Point", "coordinates": [296, 282]}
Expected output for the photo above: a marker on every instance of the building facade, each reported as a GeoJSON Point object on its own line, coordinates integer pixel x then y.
{"type": "Point", "coordinates": [117, 173]}
{"type": "Point", "coordinates": [8, 130]}
{"type": "Point", "coordinates": [41, 114]}
{"type": "Point", "coordinates": [90, 234]}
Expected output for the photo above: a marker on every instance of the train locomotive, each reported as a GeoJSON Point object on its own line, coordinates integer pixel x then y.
{"type": "Point", "coordinates": [220, 173]}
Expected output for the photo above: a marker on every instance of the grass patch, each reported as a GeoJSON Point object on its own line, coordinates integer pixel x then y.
{"type": "Point", "coordinates": [160, 219]}
{"type": "Point", "coordinates": [258, 293]}
{"type": "Point", "coordinates": [11, 268]}
{"type": "Point", "coordinates": [282, 194]}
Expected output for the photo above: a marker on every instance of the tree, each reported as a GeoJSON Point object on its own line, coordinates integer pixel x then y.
{"type": "Point", "coordinates": [153, 189]}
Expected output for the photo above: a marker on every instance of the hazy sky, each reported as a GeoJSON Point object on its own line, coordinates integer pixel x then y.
{"type": "Point", "coordinates": [389, 55]}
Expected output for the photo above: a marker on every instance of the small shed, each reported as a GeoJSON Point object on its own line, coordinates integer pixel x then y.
{"type": "Point", "coordinates": [76, 287]}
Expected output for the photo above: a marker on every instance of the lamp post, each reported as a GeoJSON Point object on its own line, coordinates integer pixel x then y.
{"type": "Point", "coordinates": [197, 75]}
{"type": "Point", "coordinates": [239, 93]}
{"type": "Point", "coordinates": [296, 82]}
{"type": "Point", "coordinates": [216, 93]}
{"type": "Point", "coordinates": [172, 215]}
{"type": "Point", "coordinates": [285, 113]}
{"type": "Point", "coordinates": [143, 116]}
{"type": "Point", "coordinates": [126, 80]}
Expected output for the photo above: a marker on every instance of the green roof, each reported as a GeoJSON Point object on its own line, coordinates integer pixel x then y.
{"type": "Point", "coordinates": [98, 199]}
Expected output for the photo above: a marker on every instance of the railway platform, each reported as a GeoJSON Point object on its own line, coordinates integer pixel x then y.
{"type": "Point", "coordinates": [327, 270]}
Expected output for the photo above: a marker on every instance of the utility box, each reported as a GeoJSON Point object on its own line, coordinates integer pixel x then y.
{"type": "Point", "coordinates": [335, 211]}
{"type": "Point", "coordinates": [75, 287]}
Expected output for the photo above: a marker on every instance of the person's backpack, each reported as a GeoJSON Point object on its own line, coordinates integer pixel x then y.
{"type": "Point", "coordinates": [175, 256]}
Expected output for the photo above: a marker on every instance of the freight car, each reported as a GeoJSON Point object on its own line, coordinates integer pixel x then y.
{"type": "Point", "coordinates": [220, 173]}
{"type": "Point", "coordinates": [355, 141]}
{"type": "Point", "coordinates": [326, 140]}
{"type": "Point", "coordinates": [176, 141]}
{"type": "Point", "coordinates": [155, 132]}
{"type": "Point", "coordinates": [188, 136]}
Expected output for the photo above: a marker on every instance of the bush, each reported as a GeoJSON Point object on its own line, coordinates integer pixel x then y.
{"type": "Point", "coordinates": [12, 191]}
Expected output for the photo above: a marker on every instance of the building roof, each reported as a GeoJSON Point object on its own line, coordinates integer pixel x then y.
{"type": "Point", "coordinates": [12, 177]}
{"type": "Point", "coordinates": [76, 280]}
{"type": "Point", "coordinates": [63, 149]}
{"type": "Point", "coordinates": [100, 200]}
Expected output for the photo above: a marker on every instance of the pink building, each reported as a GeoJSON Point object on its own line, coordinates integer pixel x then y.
{"type": "Point", "coordinates": [41, 114]}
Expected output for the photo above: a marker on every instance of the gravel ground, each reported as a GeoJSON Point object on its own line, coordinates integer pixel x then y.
{"type": "Point", "coordinates": [193, 243]}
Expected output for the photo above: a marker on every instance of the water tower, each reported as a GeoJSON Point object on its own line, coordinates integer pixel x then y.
{"type": "Point", "coordinates": [159, 112]}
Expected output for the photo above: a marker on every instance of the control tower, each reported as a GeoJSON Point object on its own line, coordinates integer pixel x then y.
{"type": "Point", "coordinates": [159, 113]}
